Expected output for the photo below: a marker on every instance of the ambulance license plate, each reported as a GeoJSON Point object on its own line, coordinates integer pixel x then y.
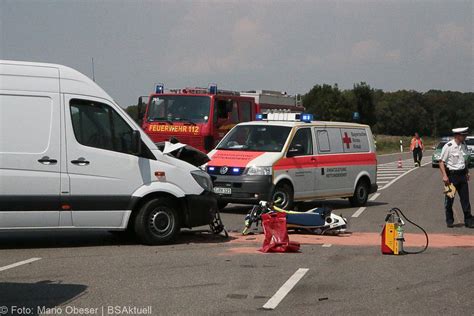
{"type": "Point", "coordinates": [223, 190]}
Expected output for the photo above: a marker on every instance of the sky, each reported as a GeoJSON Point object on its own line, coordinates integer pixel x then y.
{"type": "Point", "coordinates": [247, 45]}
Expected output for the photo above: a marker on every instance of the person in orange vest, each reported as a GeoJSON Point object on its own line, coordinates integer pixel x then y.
{"type": "Point", "coordinates": [416, 147]}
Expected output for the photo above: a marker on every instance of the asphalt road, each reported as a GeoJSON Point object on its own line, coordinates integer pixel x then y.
{"type": "Point", "coordinates": [207, 274]}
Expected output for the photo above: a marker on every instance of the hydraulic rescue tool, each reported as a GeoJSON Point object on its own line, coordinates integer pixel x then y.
{"type": "Point", "coordinates": [393, 234]}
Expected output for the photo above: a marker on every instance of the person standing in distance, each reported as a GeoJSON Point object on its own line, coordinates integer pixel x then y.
{"type": "Point", "coordinates": [454, 170]}
{"type": "Point", "coordinates": [416, 146]}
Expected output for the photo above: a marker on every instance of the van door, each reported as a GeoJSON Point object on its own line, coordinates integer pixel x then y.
{"type": "Point", "coordinates": [103, 173]}
{"type": "Point", "coordinates": [332, 174]}
{"type": "Point", "coordinates": [300, 157]}
{"type": "Point", "coordinates": [29, 159]}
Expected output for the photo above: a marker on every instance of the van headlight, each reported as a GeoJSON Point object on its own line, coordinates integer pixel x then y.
{"type": "Point", "coordinates": [203, 179]}
{"type": "Point", "coordinates": [259, 171]}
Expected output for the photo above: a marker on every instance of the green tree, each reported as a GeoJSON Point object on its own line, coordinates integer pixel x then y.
{"type": "Point", "coordinates": [363, 96]}
{"type": "Point", "coordinates": [328, 103]}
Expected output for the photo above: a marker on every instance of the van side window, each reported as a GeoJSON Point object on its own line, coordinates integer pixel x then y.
{"type": "Point", "coordinates": [323, 141]}
{"type": "Point", "coordinates": [302, 143]}
{"type": "Point", "coordinates": [245, 111]}
{"type": "Point", "coordinates": [98, 125]}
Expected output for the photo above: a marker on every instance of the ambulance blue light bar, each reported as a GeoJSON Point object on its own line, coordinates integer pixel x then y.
{"type": "Point", "coordinates": [306, 117]}
{"type": "Point", "coordinates": [160, 88]}
{"type": "Point", "coordinates": [212, 88]}
{"type": "Point", "coordinates": [285, 116]}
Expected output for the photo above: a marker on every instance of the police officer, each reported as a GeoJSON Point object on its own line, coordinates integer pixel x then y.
{"type": "Point", "coordinates": [454, 170]}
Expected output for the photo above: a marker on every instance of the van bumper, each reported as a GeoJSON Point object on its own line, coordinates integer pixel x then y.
{"type": "Point", "coordinates": [374, 187]}
{"type": "Point", "coordinates": [245, 189]}
{"type": "Point", "coordinates": [199, 209]}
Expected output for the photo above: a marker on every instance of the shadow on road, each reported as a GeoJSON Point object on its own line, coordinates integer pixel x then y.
{"type": "Point", "coordinates": [334, 204]}
{"type": "Point", "coordinates": [34, 296]}
{"type": "Point", "coordinates": [31, 240]}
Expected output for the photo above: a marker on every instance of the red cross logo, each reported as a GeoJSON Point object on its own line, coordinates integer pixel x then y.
{"type": "Point", "coordinates": [347, 140]}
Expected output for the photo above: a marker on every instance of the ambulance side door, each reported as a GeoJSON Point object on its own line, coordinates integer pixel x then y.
{"type": "Point", "coordinates": [300, 156]}
{"type": "Point", "coordinates": [330, 168]}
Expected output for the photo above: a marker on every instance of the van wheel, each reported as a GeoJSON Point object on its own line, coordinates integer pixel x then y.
{"type": "Point", "coordinates": [157, 222]}
{"type": "Point", "coordinates": [284, 192]}
{"type": "Point", "coordinates": [361, 194]}
{"type": "Point", "coordinates": [221, 205]}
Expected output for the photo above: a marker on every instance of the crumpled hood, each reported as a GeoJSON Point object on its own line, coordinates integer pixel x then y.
{"type": "Point", "coordinates": [184, 152]}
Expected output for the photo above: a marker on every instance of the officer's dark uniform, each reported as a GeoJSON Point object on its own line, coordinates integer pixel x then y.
{"type": "Point", "coordinates": [456, 168]}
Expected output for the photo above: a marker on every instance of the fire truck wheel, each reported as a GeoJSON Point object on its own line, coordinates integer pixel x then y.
{"type": "Point", "coordinates": [361, 194]}
{"type": "Point", "coordinates": [284, 192]}
{"type": "Point", "coordinates": [157, 222]}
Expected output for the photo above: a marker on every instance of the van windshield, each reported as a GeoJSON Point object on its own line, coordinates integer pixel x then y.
{"type": "Point", "coordinates": [256, 138]}
{"type": "Point", "coordinates": [179, 108]}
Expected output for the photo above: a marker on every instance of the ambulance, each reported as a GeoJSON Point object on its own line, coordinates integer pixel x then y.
{"type": "Point", "coordinates": [289, 157]}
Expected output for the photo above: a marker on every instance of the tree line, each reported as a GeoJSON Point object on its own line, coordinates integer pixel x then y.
{"type": "Point", "coordinates": [403, 112]}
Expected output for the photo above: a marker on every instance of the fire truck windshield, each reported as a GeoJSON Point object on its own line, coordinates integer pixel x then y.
{"type": "Point", "coordinates": [256, 138]}
{"type": "Point", "coordinates": [179, 108]}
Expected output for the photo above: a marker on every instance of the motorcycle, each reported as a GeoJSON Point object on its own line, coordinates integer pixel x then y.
{"type": "Point", "coordinates": [320, 220]}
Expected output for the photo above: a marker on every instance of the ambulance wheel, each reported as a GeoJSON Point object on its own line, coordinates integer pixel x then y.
{"type": "Point", "coordinates": [157, 222]}
{"type": "Point", "coordinates": [361, 194]}
{"type": "Point", "coordinates": [284, 192]}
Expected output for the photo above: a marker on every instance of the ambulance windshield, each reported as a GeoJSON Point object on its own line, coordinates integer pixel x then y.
{"type": "Point", "coordinates": [179, 108]}
{"type": "Point", "coordinates": [256, 138]}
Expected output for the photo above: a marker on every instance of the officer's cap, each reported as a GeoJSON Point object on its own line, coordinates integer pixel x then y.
{"type": "Point", "coordinates": [461, 130]}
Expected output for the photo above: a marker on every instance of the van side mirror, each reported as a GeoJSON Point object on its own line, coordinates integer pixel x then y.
{"type": "Point", "coordinates": [136, 145]}
{"type": "Point", "coordinates": [295, 150]}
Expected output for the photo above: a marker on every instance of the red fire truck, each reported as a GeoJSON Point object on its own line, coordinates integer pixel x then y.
{"type": "Point", "coordinates": [200, 117]}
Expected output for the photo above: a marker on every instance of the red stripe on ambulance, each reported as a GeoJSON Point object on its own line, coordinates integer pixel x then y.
{"type": "Point", "coordinates": [234, 158]}
{"type": "Point", "coordinates": [348, 159]}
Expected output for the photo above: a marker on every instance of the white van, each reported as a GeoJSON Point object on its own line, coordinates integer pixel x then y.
{"type": "Point", "coordinates": [71, 158]}
{"type": "Point", "coordinates": [289, 157]}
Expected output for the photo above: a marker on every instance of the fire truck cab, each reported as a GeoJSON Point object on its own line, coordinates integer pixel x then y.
{"type": "Point", "coordinates": [200, 117]}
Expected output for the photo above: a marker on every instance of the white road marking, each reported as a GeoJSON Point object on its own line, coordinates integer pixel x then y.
{"type": "Point", "coordinates": [390, 171]}
{"type": "Point", "coordinates": [273, 302]}
{"type": "Point", "coordinates": [20, 263]}
{"type": "Point", "coordinates": [359, 211]}
{"type": "Point", "coordinates": [374, 197]}
{"type": "Point", "coordinates": [326, 245]}
{"type": "Point", "coordinates": [362, 209]}
{"type": "Point", "coordinates": [402, 175]}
